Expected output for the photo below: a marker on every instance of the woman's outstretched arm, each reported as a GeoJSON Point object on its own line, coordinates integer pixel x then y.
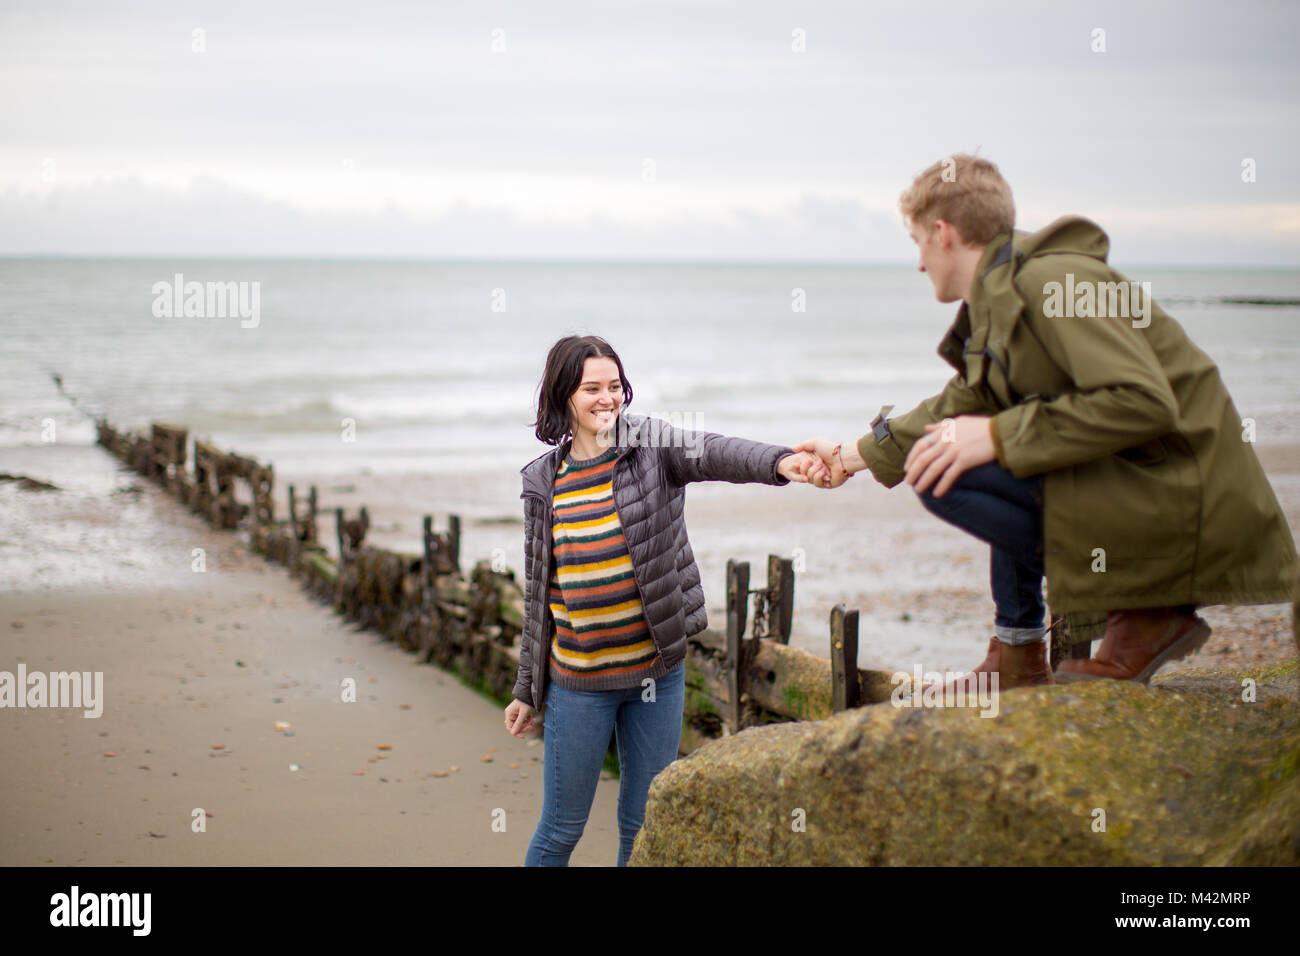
{"type": "Point", "coordinates": [707, 456]}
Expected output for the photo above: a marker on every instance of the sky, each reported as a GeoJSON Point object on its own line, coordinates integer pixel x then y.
{"type": "Point", "coordinates": [620, 130]}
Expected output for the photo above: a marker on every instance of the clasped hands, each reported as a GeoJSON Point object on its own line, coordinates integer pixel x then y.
{"type": "Point", "coordinates": [948, 449]}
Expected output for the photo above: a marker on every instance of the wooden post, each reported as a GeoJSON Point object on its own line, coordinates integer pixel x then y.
{"type": "Point", "coordinates": [1071, 636]}
{"type": "Point", "coordinates": [846, 692]}
{"type": "Point", "coordinates": [431, 617]}
{"type": "Point", "coordinates": [780, 599]}
{"type": "Point", "coordinates": [264, 496]}
{"type": "Point", "coordinates": [442, 551]}
{"type": "Point", "coordinates": [168, 443]}
{"type": "Point", "coordinates": [430, 569]}
{"type": "Point", "coordinates": [202, 493]}
{"type": "Point", "coordinates": [261, 480]}
{"type": "Point", "coordinates": [484, 601]}
{"type": "Point", "coordinates": [338, 527]}
{"type": "Point", "coordinates": [225, 513]}
{"type": "Point", "coordinates": [737, 611]}
{"type": "Point", "coordinates": [293, 515]}
{"type": "Point", "coordinates": [311, 511]}
{"type": "Point", "coordinates": [453, 535]}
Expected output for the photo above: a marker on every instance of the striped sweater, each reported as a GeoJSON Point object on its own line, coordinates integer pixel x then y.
{"type": "Point", "coordinates": [601, 640]}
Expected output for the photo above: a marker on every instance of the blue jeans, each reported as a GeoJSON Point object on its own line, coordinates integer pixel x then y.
{"type": "Point", "coordinates": [577, 729]}
{"type": "Point", "coordinates": [1007, 513]}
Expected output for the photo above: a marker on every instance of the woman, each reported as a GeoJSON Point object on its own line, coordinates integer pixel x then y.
{"type": "Point", "coordinates": [612, 590]}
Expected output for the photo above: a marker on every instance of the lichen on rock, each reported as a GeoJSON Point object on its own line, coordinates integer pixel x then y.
{"type": "Point", "coordinates": [1183, 772]}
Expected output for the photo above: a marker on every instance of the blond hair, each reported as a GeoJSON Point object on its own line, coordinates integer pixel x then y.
{"type": "Point", "coordinates": [966, 191]}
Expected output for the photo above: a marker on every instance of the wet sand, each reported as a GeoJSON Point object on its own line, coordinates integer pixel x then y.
{"type": "Point", "coordinates": [192, 661]}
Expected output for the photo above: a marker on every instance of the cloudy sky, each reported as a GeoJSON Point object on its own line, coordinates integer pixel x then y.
{"type": "Point", "coordinates": [666, 130]}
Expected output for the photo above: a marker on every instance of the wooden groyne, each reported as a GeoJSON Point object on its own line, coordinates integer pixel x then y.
{"type": "Point", "coordinates": [469, 623]}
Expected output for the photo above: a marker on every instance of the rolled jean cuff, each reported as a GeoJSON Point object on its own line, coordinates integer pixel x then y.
{"type": "Point", "coordinates": [1019, 635]}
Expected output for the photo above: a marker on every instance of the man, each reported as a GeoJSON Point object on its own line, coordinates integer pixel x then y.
{"type": "Point", "coordinates": [1084, 437]}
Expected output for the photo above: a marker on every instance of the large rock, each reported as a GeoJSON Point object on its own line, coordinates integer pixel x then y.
{"type": "Point", "coordinates": [1185, 770]}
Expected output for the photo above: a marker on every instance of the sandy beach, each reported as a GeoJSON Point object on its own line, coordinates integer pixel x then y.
{"type": "Point", "coordinates": [200, 669]}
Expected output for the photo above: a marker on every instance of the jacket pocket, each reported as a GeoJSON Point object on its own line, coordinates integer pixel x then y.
{"type": "Point", "coordinates": [1146, 454]}
{"type": "Point", "coordinates": [1143, 502]}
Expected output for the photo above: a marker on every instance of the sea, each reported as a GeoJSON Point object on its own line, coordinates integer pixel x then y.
{"type": "Point", "coordinates": [437, 363]}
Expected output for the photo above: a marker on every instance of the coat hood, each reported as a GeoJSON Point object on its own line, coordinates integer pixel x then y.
{"type": "Point", "coordinates": [996, 300]}
{"type": "Point", "coordinates": [1073, 234]}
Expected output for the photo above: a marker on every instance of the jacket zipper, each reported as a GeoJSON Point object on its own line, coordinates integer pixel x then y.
{"type": "Point", "coordinates": [613, 475]}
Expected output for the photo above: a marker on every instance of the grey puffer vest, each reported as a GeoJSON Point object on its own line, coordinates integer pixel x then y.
{"type": "Point", "coordinates": [653, 464]}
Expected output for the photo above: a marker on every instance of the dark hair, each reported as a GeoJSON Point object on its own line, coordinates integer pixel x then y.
{"type": "Point", "coordinates": [563, 375]}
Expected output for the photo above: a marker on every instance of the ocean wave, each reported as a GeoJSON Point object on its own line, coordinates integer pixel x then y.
{"type": "Point", "coordinates": [387, 409]}
{"type": "Point", "coordinates": [684, 388]}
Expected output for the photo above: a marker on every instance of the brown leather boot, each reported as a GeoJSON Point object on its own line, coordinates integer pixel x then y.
{"type": "Point", "coordinates": [1017, 665]}
{"type": "Point", "coordinates": [1024, 665]}
{"type": "Point", "coordinates": [990, 662]}
{"type": "Point", "coordinates": [1137, 643]}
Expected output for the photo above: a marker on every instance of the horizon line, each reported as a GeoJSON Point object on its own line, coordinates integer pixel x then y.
{"type": "Point", "coordinates": [569, 261]}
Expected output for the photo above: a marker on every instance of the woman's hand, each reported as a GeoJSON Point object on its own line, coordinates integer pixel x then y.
{"type": "Point", "coordinates": [833, 474]}
{"type": "Point", "coordinates": [804, 466]}
{"type": "Point", "coordinates": [519, 718]}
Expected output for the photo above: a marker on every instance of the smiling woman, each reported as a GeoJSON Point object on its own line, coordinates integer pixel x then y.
{"type": "Point", "coordinates": [585, 385]}
{"type": "Point", "coordinates": [612, 590]}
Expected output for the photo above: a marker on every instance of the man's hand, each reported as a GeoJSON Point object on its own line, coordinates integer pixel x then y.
{"type": "Point", "coordinates": [824, 449]}
{"type": "Point", "coordinates": [803, 466]}
{"type": "Point", "coordinates": [949, 448]}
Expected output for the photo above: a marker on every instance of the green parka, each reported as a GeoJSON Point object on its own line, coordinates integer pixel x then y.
{"type": "Point", "coordinates": [1147, 473]}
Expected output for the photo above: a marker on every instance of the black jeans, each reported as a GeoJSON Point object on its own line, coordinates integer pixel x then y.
{"type": "Point", "coordinates": [1007, 513]}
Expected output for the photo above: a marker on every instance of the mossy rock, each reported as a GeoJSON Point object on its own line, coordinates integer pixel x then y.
{"type": "Point", "coordinates": [1186, 772]}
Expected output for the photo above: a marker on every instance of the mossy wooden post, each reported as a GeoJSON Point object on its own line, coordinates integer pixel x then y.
{"type": "Point", "coordinates": [157, 465]}
{"type": "Point", "coordinates": [262, 479]}
{"type": "Point", "coordinates": [430, 567]}
{"type": "Point", "coordinates": [201, 497]}
{"type": "Point", "coordinates": [846, 691]}
{"type": "Point", "coordinates": [312, 531]}
{"type": "Point", "coordinates": [484, 601]}
{"type": "Point", "coordinates": [293, 516]}
{"type": "Point", "coordinates": [338, 529]}
{"type": "Point", "coordinates": [737, 612]}
{"type": "Point", "coordinates": [138, 453]}
{"type": "Point", "coordinates": [442, 551]}
{"type": "Point", "coordinates": [168, 455]}
{"type": "Point", "coordinates": [453, 538]}
{"type": "Point", "coordinates": [780, 598]}
{"type": "Point", "coordinates": [1072, 634]}
{"type": "Point", "coordinates": [432, 620]}
{"type": "Point", "coordinates": [227, 507]}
